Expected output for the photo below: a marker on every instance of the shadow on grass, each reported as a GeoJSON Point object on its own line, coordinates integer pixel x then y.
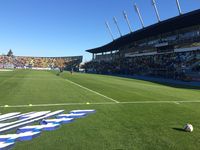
{"type": "Point", "coordinates": [174, 85]}
{"type": "Point", "coordinates": [160, 81]}
{"type": "Point", "coordinates": [179, 129]}
{"type": "Point", "coordinates": [165, 82]}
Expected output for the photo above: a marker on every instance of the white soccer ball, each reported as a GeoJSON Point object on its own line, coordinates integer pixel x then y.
{"type": "Point", "coordinates": [188, 128]}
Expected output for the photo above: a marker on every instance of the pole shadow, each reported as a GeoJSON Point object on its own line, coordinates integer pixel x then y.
{"type": "Point", "coordinates": [179, 129]}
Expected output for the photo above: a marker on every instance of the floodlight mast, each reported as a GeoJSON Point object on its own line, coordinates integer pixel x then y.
{"type": "Point", "coordinates": [156, 10]}
{"type": "Point", "coordinates": [109, 30]}
{"type": "Point", "coordinates": [127, 21]}
{"type": "Point", "coordinates": [179, 7]}
{"type": "Point", "coordinates": [139, 15]}
{"type": "Point", "coordinates": [115, 21]}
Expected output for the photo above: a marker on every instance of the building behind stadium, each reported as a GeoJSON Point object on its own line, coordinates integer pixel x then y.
{"type": "Point", "coordinates": [169, 49]}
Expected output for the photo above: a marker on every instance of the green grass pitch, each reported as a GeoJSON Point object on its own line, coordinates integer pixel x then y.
{"type": "Point", "coordinates": [131, 114]}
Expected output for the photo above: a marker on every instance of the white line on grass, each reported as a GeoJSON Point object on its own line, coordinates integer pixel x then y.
{"type": "Point", "coordinates": [159, 102]}
{"type": "Point", "coordinates": [177, 103]}
{"type": "Point", "coordinates": [107, 103]}
{"type": "Point", "coordinates": [5, 70]}
{"type": "Point", "coordinates": [59, 104]}
{"type": "Point", "coordinates": [92, 91]}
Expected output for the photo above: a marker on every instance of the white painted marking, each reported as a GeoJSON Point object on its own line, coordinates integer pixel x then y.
{"type": "Point", "coordinates": [82, 111]}
{"type": "Point", "coordinates": [35, 115]}
{"type": "Point", "coordinates": [5, 146]}
{"type": "Point", "coordinates": [58, 121]}
{"type": "Point", "coordinates": [148, 102]}
{"type": "Point", "coordinates": [28, 121]}
{"type": "Point", "coordinates": [16, 136]}
{"type": "Point", "coordinates": [60, 104]}
{"type": "Point", "coordinates": [5, 70]}
{"type": "Point", "coordinates": [38, 127]}
{"type": "Point", "coordinates": [177, 103]}
{"type": "Point", "coordinates": [8, 115]}
{"type": "Point", "coordinates": [106, 103]}
{"type": "Point", "coordinates": [30, 128]}
{"type": "Point", "coordinates": [72, 115]}
{"type": "Point", "coordinates": [13, 117]}
{"type": "Point", "coordinates": [111, 99]}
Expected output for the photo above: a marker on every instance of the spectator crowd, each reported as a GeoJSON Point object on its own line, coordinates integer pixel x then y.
{"type": "Point", "coordinates": [39, 62]}
{"type": "Point", "coordinates": [169, 65]}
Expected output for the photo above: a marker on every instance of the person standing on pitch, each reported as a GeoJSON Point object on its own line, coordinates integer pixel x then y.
{"type": "Point", "coordinates": [72, 70]}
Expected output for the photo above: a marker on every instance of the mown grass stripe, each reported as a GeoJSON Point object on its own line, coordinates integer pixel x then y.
{"type": "Point", "coordinates": [83, 87]}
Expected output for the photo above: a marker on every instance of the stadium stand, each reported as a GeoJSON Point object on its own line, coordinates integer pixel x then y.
{"type": "Point", "coordinates": [169, 49]}
{"type": "Point", "coordinates": [42, 63]}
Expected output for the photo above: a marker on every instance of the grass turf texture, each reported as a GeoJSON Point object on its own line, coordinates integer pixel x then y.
{"type": "Point", "coordinates": [116, 126]}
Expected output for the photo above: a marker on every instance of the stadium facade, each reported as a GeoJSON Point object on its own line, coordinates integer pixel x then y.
{"type": "Point", "coordinates": [40, 63]}
{"type": "Point", "coordinates": [170, 49]}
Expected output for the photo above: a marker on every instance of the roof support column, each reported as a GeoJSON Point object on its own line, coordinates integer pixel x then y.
{"type": "Point", "coordinates": [92, 56]}
{"type": "Point", "coordinates": [111, 55]}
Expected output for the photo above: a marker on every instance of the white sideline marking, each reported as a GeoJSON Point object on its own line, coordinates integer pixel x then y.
{"type": "Point", "coordinates": [106, 103]}
{"type": "Point", "coordinates": [177, 103]}
{"type": "Point", "coordinates": [60, 104]}
{"type": "Point", "coordinates": [92, 91]}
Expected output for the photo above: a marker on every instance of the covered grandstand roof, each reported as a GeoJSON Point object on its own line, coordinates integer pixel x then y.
{"type": "Point", "coordinates": [172, 24]}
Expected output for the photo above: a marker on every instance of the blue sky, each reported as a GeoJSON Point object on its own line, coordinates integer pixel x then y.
{"type": "Point", "coordinates": [69, 27]}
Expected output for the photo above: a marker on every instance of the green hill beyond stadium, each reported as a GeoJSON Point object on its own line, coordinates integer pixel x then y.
{"type": "Point", "coordinates": [130, 114]}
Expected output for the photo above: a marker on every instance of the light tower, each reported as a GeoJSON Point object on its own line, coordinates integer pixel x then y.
{"type": "Point", "coordinates": [127, 21]}
{"type": "Point", "coordinates": [179, 7]}
{"type": "Point", "coordinates": [115, 21]}
{"type": "Point", "coordinates": [156, 10]}
{"type": "Point", "coordinates": [139, 15]}
{"type": "Point", "coordinates": [109, 30]}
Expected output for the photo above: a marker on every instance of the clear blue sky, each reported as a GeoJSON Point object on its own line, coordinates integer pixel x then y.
{"type": "Point", "coordinates": [68, 27]}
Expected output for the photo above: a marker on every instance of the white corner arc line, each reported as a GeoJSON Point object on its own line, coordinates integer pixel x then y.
{"type": "Point", "coordinates": [83, 87]}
